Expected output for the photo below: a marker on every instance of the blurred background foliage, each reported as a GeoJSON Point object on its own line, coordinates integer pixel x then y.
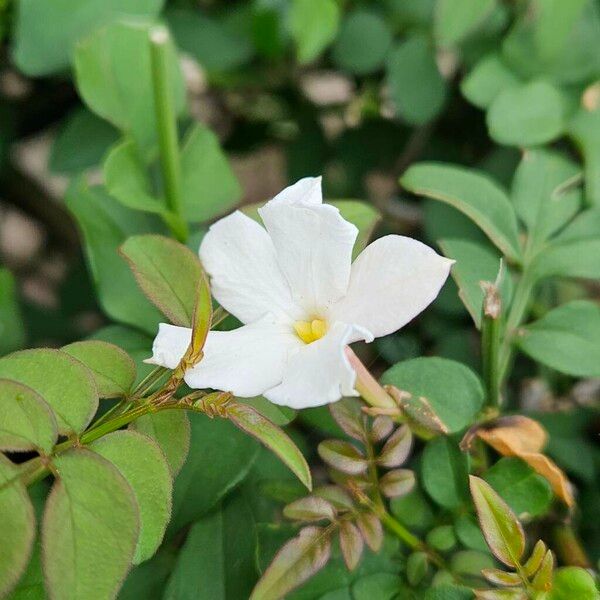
{"type": "Point", "coordinates": [268, 91]}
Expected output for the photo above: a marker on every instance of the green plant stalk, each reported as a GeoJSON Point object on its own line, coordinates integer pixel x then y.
{"type": "Point", "coordinates": [490, 344]}
{"type": "Point", "coordinates": [166, 122]}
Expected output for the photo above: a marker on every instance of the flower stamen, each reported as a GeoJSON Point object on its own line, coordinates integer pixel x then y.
{"type": "Point", "coordinates": [310, 331]}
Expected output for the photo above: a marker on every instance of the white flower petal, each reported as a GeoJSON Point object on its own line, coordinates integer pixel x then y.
{"type": "Point", "coordinates": [304, 191]}
{"type": "Point", "coordinates": [246, 279]}
{"type": "Point", "coordinates": [392, 281]}
{"type": "Point", "coordinates": [246, 361]}
{"type": "Point", "coordinates": [314, 244]}
{"type": "Point", "coordinates": [319, 373]}
{"type": "Point", "coordinates": [169, 345]}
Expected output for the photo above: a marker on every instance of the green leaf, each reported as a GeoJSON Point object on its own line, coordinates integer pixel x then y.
{"type": "Point", "coordinates": [343, 456]}
{"type": "Point", "coordinates": [113, 369]}
{"type": "Point", "coordinates": [525, 492]}
{"type": "Point", "coordinates": [209, 187]}
{"type": "Point", "coordinates": [12, 334]}
{"type": "Point", "coordinates": [585, 225]}
{"type": "Point", "coordinates": [170, 429]}
{"type": "Point", "coordinates": [542, 192]}
{"type": "Point", "coordinates": [220, 457]}
{"type": "Point", "coordinates": [416, 86]}
{"type": "Point", "coordinates": [63, 382]}
{"type": "Point", "coordinates": [455, 19]}
{"type": "Point", "coordinates": [81, 143]}
{"type": "Point", "coordinates": [274, 438]}
{"type": "Point", "coordinates": [475, 263]}
{"type": "Point", "coordinates": [26, 420]}
{"type": "Point", "coordinates": [448, 592]}
{"type": "Point", "coordinates": [213, 42]}
{"type": "Point", "coordinates": [313, 25]}
{"type": "Point", "coordinates": [46, 33]}
{"type": "Point", "coordinates": [452, 389]}
{"type": "Point", "coordinates": [500, 527]}
{"type": "Point", "coordinates": [580, 258]}
{"type": "Point", "coordinates": [383, 586]}
{"type": "Point", "coordinates": [469, 534]}
{"type": "Point", "coordinates": [363, 42]}
{"type": "Point", "coordinates": [585, 131]}
{"type": "Point", "coordinates": [416, 567]}
{"type": "Point", "coordinates": [149, 579]}
{"type": "Point", "coordinates": [126, 180]}
{"type": "Point", "coordinates": [113, 75]}
{"type": "Point", "coordinates": [442, 538]}
{"type": "Point", "coordinates": [17, 523]}
{"type": "Point", "coordinates": [224, 543]}
{"type": "Point", "coordinates": [445, 472]}
{"type": "Point", "coordinates": [486, 80]}
{"type": "Point", "coordinates": [90, 528]}
{"type": "Point", "coordinates": [566, 339]}
{"type": "Point", "coordinates": [106, 225]}
{"type": "Point", "coordinates": [474, 194]}
{"type": "Point", "coordinates": [526, 115]}
{"type": "Point", "coordinates": [168, 273]}
{"type": "Point", "coordinates": [142, 463]}
{"type": "Point", "coordinates": [298, 560]}
{"type": "Point", "coordinates": [573, 582]}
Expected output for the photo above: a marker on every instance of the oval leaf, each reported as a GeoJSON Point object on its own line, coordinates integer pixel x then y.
{"type": "Point", "coordinates": [311, 508]}
{"type": "Point", "coordinates": [298, 560]}
{"type": "Point", "coordinates": [62, 381]}
{"type": "Point", "coordinates": [397, 449]}
{"type": "Point", "coordinates": [501, 529]}
{"type": "Point", "coordinates": [167, 272]}
{"type": "Point", "coordinates": [113, 369]}
{"type": "Point", "coordinates": [474, 194]}
{"type": "Point", "coordinates": [90, 528]}
{"type": "Point", "coordinates": [398, 482]}
{"type": "Point", "coordinates": [144, 466]}
{"type": "Point", "coordinates": [17, 524]}
{"type": "Point", "coordinates": [371, 529]}
{"type": "Point", "coordinates": [274, 438]}
{"type": "Point", "coordinates": [26, 420]}
{"type": "Point", "coordinates": [351, 544]}
{"type": "Point", "coordinates": [342, 456]}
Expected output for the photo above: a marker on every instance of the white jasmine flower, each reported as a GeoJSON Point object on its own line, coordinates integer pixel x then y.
{"type": "Point", "coordinates": [301, 299]}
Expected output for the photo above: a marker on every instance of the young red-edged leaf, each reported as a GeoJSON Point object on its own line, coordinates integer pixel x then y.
{"type": "Point", "coordinates": [396, 483]}
{"type": "Point", "coordinates": [543, 578]}
{"type": "Point", "coordinates": [295, 562]}
{"type": "Point", "coordinates": [167, 272]}
{"type": "Point", "coordinates": [397, 449]}
{"type": "Point", "coordinates": [371, 529]}
{"type": "Point", "coordinates": [17, 524]}
{"type": "Point", "coordinates": [351, 544]}
{"type": "Point", "coordinates": [499, 577]}
{"type": "Point", "coordinates": [381, 427]}
{"type": "Point", "coordinates": [336, 495]}
{"type": "Point", "coordinates": [501, 529]}
{"type": "Point", "coordinates": [90, 528]}
{"type": "Point", "coordinates": [343, 456]}
{"type": "Point", "coordinates": [274, 438]}
{"type": "Point", "coordinates": [140, 460]}
{"type": "Point", "coordinates": [310, 508]}
{"type": "Point", "coordinates": [113, 369]}
{"type": "Point", "coordinates": [417, 410]}
{"type": "Point", "coordinates": [61, 380]}
{"type": "Point", "coordinates": [535, 560]}
{"type": "Point", "coordinates": [348, 415]}
{"type": "Point", "coordinates": [26, 420]}
{"type": "Point", "coordinates": [202, 317]}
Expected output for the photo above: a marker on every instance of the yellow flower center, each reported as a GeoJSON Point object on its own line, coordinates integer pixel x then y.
{"type": "Point", "coordinates": [310, 331]}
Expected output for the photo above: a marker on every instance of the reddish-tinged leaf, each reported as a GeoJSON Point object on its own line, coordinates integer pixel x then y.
{"type": "Point", "coordinates": [336, 495]}
{"type": "Point", "coordinates": [343, 456]}
{"type": "Point", "coordinates": [397, 483]}
{"type": "Point", "coordinates": [382, 427]}
{"type": "Point", "coordinates": [499, 577]}
{"type": "Point", "coordinates": [295, 562]}
{"type": "Point", "coordinates": [349, 417]}
{"type": "Point", "coordinates": [273, 437]}
{"type": "Point", "coordinates": [351, 544]}
{"type": "Point", "coordinates": [397, 449]}
{"type": "Point", "coordinates": [310, 508]}
{"type": "Point", "coordinates": [501, 529]}
{"type": "Point", "coordinates": [543, 578]}
{"type": "Point", "coordinates": [371, 530]}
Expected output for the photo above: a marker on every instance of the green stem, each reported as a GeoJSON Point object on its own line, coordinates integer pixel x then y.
{"type": "Point", "coordinates": [166, 121]}
{"type": "Point", "coordinates": [147, 382]}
